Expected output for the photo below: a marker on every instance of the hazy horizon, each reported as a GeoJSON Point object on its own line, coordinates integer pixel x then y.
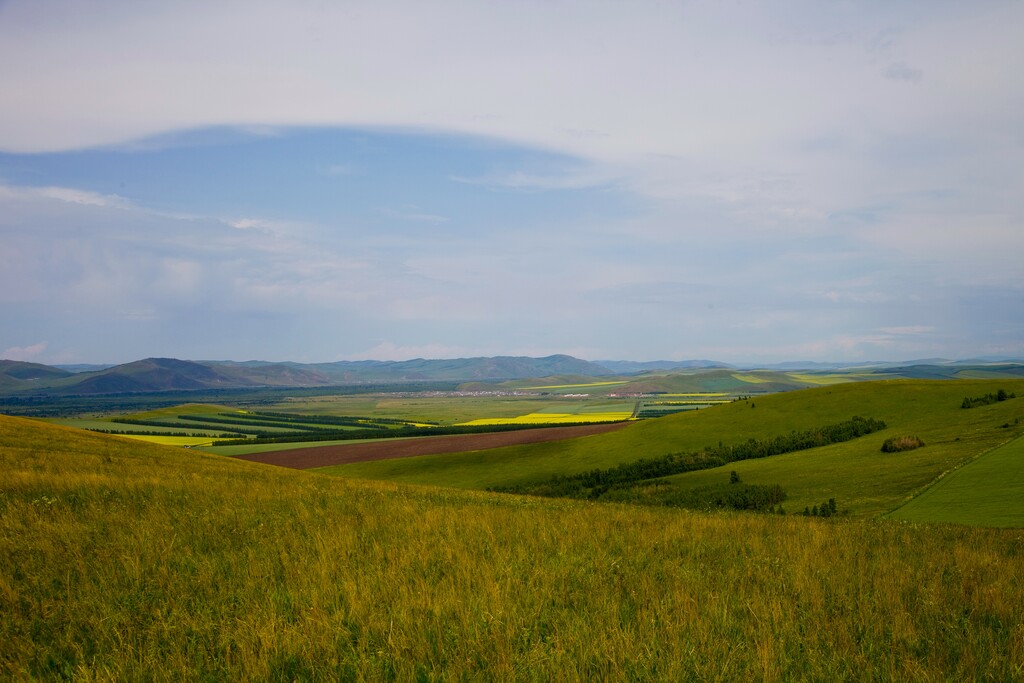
{"type": "Point", "coordinates": [736, 363]}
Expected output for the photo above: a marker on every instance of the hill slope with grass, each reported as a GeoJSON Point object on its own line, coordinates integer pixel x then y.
{"type": "Point", "coordinates": [988, 491]}
{"type": "Point", "coordinates": [864, 480]}
{"type": "Point", "coordinates": [121, 560]}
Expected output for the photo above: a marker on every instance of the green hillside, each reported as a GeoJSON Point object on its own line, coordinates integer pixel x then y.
{"type": "Point", "coordinates": [856, 473]}
{"type": "Point", "coordinates": [124, 561]}
{"type": "Point", "coordinates": [988, 491]}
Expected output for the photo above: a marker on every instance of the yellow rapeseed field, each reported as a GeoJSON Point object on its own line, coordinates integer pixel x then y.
{"type": "Point", "coordinates": [553, 418]}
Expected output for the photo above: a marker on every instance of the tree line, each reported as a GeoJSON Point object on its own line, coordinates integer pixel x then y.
{"type": "Point", "coordinates": [987, 399]}
{"type": "Point", "coordinates": [596, 482]}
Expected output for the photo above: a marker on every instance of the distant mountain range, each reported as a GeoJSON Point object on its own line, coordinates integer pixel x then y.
{"type": "Point", "coordinates": [168, 374]}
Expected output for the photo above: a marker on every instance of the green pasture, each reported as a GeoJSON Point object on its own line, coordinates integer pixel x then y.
{"type": "Point", "coordinates": [988, 491]}
{"type": "Point", "coordinates": [184, 409]}
{"type": "Point", "coordinates": [857, 474]}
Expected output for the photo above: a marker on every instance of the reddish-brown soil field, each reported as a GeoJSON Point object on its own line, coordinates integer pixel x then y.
{"type": "Point", "coordinates": [322, 456]}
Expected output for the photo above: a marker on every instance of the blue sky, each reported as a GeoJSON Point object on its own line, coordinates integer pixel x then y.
{"type": "Point", "coordinates": [313, 181]}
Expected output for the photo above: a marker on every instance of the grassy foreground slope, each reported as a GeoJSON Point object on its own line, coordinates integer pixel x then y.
{"type": "Point", "coordinates": [121, 560]}
{"type": "Point", "coordinates": [856, 473]}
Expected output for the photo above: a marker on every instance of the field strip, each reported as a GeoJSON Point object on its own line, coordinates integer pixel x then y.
{"type": "Point", "coordinates": [552, 418]}
{"type": "Point", "coordinates": [750, 378]}
{"type": "Point", "coordinates": [579, 386]}
{"type": "Point", "coordinates": [987, 491]}
{"type": "Point", "coordinates": [324, 456]}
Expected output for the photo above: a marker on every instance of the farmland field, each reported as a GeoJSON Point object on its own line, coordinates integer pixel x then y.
{"type": "Point", "coordinates": [552, 418]}
{"type": "Point", "coordinates": [205, 424]}
{"type": "Point", "coordinates": [171, 440]}
{"type": "Point", "coordinates": [584, 385]}
{"type": "Point", "coordinates": [309, 456]}
{"type": "Point", "coordinates": [245, 449]}
{"type": "Point", "coordinates": [445, 409]}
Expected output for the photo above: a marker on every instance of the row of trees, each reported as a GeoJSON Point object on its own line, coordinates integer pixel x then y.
{"type": "Point", "coordinates": [826, 509]}
{"type": "Point", "coordinates": [139, 432]}
{"type": "Point", "coordinates": [342, 420]}
{"type": "Point", "coordinates": [987, 399]}
{"type": "Point", "coordinates": [595, 483]}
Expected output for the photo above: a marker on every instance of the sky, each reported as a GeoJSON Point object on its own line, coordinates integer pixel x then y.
{"type": "Point", "coordinates": [316, 181]}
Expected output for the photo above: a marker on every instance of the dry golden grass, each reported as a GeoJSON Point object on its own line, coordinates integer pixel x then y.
{"type": "Point", "coordinates": [130, 561]}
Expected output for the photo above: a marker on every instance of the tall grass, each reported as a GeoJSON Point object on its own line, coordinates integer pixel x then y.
{"type": "Point", "coordinates": [135, 562]}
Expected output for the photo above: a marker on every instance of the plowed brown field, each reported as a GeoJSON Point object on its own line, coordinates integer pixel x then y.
{"type": "Point", "coordinates": [322, 456]}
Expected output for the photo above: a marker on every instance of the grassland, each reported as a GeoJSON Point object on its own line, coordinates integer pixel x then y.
{"type": "Point", "coordinates": [857, 474]}
{"type": "Point", "coordinates": [127, 561]}
{"type": "Point", "coordinates": [988, 491]}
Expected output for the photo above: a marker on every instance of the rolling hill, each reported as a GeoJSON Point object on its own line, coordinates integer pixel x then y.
{"type": "Point", "coordinates": [864, 480]}
{"type": "Point", "coordinates": [17, 374]}
{"type": "Point", "coordinates": [169, 374]}
{"type": "Point", "coordinates": [122, 560]}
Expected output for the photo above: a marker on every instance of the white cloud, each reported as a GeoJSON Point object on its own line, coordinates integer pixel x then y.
{"type": "Point", "coordinates": [24, 353]}
{"type": "Point", "coordinates": [413, 214]}
{"type": "Point", "coordinates": [521, 180]}
{"type": "Point", "coordinates": [68, 195]}
{"type": "Point", "coordinates": [247, 223]}
{"type": "Point", "coordinates": [675, 101]}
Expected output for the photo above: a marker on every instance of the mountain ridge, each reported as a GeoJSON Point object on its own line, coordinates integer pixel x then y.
{"type": "Point", "coordinates": [20, 378]}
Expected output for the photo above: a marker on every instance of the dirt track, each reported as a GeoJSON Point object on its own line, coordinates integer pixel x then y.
{"type": "Point", "coordinates": [322, 456]}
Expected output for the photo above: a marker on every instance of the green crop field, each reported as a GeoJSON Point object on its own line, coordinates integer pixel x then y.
{"type": "Point", "coordinates": [247, 449]}
{"type": "Point", "coordinates": [171, 440]}
{"type": "Point", "coordinates": [862, 479]}
{"type": "Point", "coordinates": [441, 409]}
{"type": "Point", "coordinates": [128, 561]}
{"type": "Point", "coordinates": [185, 409]}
